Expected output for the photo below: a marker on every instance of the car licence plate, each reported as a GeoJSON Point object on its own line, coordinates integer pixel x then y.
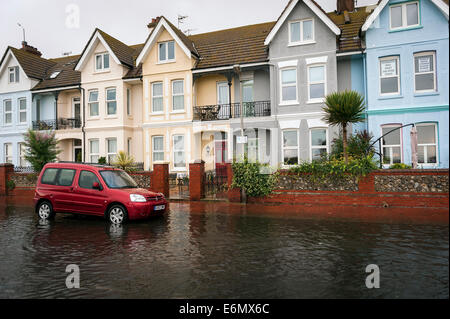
{"type": "Point", "coordinates": [160, 207]}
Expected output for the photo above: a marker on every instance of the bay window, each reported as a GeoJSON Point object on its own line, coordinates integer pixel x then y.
{"type": "Point", "coordinates": [94, 150]}
{"type": "Point", "coordinates": [8, 153]}
{"type": "Point", "coordinates": [178, 95]}
{"type": "Point", "coordinates": [289, 85]}
{"type": "Point", "coordinates": [157, 97]}
{"type": "Point", "coordinates": [7, 110]}
{"type": "Point", "coordinates": [319, 143]}
{"type": "Point", "coordinates": [93, 104]}
{"type": "Point", "coordinates": [111, 144]}
{"type": "Point", "coordinates": [22, 110]}
{"type": "Point", "coordinates": [178, 152]}
{"type": "Point", "coordinates": [158, 148]}
{"type": "Point", "coordinates": [316, 83]}
{"type": "Point", "coordinates": [111, 103]}
{"type": "Point", "coordinates": [391, 144]}
{"type": "Point", "coordinates": [427, 143]}
{"type": "Point", "coordinates": [290, 147]}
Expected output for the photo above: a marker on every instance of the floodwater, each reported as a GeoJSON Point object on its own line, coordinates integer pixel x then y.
{"type": "Point", "coordinates": [212, 250]}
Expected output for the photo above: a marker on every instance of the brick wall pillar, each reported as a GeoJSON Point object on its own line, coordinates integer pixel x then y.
{"type": "Point", "coordinates": [5, 170]}
{"type": "Point", "coordinates": [160, 179]}
{"type": "Point", "coordinates": [196, 180]}
{"type": "Point", "coordinates": [367, 184]}
{"type": "Point", "coordinates": [234, 195]}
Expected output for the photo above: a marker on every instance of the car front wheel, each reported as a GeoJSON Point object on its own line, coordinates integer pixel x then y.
{"type": "Point", "coordinates": [45, 211]}
{"type": "Point", "coordinates": [117, 214]}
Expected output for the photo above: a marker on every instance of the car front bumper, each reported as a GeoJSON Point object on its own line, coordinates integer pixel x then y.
{"type": "Point", "coordinates": [145, 210]}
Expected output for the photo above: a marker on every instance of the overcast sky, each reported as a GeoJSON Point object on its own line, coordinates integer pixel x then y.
{"type": "Point", "coordinates": [52, 25]}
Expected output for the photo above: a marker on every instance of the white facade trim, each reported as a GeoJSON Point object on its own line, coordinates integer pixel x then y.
{"type": "Point", "coordinates": [317, 60]}
{"type": "Point", "coordinates": [288, 64]}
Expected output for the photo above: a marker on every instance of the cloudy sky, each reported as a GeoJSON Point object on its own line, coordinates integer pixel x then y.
{"type": "Point", "coordinates": [57, 26]}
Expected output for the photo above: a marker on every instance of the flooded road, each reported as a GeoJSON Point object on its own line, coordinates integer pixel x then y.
{"type": "Point", "coordinates": [206, 251]}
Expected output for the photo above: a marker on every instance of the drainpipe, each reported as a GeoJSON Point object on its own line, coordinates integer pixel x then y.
{"type": "Point", "coordinates": [83, 123]}
{"type": "Point", "coordinates": [365, 88]}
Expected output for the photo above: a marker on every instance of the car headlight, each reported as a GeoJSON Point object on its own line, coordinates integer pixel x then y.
{"type": "Point", "coordinates": [137, 198]}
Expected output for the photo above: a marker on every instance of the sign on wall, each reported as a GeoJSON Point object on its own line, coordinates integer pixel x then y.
{"type": "Point", "coordinates": [389, 68]}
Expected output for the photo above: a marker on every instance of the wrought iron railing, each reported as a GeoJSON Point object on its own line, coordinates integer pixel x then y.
{"type": "Point", "coordinates": [60, 124]}
{"type": "Point", "coordinates": [23, 169]}
{"type": "Point", "coordinates": [233, 110]}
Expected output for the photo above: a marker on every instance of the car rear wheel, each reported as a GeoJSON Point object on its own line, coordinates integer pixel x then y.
{"type": "Point", "coordinates": [45, 211]}
{"type": "Point", "coordinates": [117, 214]}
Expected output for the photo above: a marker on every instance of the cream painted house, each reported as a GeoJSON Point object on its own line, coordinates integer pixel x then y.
{"type": "Point", "coordinates": [167, 59]}
{"type": "Point", "coordinates": [112, 99]}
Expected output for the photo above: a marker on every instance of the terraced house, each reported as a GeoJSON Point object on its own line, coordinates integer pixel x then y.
{"type": "Point", "coordinates": [407, 79]}
{"type": "Point", "coordinates": [20, 70]}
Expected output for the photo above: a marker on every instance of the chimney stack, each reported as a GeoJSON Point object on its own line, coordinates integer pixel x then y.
{"type": "Point", "coordinates": [345, 5]}
{"type": "Point", "coordinates": [153, 24]}
{"type": "Point", "coordinates": [30, 49]}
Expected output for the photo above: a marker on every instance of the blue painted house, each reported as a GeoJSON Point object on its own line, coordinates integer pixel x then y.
{"type": "Point", "coordinates": [407, 54]}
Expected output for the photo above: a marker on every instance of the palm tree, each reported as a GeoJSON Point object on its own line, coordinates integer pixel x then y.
{"type": "Point", "coordinates": [124, 162]}
{"type": "Point", "coordinates": [343, 108]}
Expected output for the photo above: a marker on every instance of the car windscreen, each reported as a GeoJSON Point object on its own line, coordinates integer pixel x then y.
{"type": "Point", "coordinates": [118, 179]}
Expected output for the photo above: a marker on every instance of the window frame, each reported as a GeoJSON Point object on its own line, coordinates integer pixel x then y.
{"type": "Point", "coordinates": [324, 82]}
{"type": "Point", "coordinates": [91, 154]}
{"type": "Point", "coordinates": [14, 70]}
{"type": "Point", "coordinates": [108, 153]}
{"type": "Point", "coordinates": [102, 69]}
{"type": "Point", "coordinates": [436, 145]}
{"type": "Point", "coordinates": [288, 102]}
{"type": "Point", "coordinates": [157, 97]}
{"type": "Point", "coordinates": [425, 53]}
{"type": "Point", "coordinates": [21, 152]}
{"type": "Point", "coordinates": [167, 60]}
{"type": "Point", "coordinates": [391, 127]}
{"type": "Point", "coordinates": [94, 102]}
{"type": "Point", "coordinates": [8, 153]}
{"type": "Point", "coordinates": [88, 171]}
{"type": "Point", "coordinates": [110, 101]}
{"type": "Point", "coordinates": [20, 111]}
{"type": "Point", "coordinates": [404, 25]}
{"type": "Point", "coordinates": [157, 151]}
{"type": "Point", "coordinates": [311, 147]}
{"type": "Point", "coordinates": [302, 41]}
{"type": "Point", "coordinates": [177, 95]}
{"type": "Point", "coordinates": [10, 112]}
{"type": "Point", "coordinates": [387, 58]}
{"type": "Point", "coordinates": [175, 168]}
{"type": "Point", "coordinates": [283, 148]}
{"type": "Point", "coordinates": [59, 174]}
{"type": "Point", "coordinates": [129, 113]}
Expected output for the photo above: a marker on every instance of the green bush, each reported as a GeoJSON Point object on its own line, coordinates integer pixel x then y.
{"type": "Point", "coordinates": [335, 168]}
{"type": "Point", "coordinates": [358, 145]}
{"type": "Point", "coordinates": [250, 178]}
{"type": "Point", "coordinates": [10, 185]}
{"type": "Point", "coordinates": [102, 160]}
{"type": "Point", "coordinates": [400, 166]}
{"type": "Point", "coordinates": [41, 148]}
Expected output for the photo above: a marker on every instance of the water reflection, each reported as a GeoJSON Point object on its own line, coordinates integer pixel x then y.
{"type": "Point", "coordinates": [212, 251]}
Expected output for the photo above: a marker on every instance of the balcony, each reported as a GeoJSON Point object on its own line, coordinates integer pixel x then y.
{"type": "Point", "coordinates": [230, 111]}
{"type": "Point", "coordinates": [60, 124]}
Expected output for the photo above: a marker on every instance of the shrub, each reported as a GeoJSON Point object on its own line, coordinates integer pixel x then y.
{"type": "Point", "coordinates": [102, 161]}
{"type": "Point", "coordinates": [358, 145]}
{"type": "Point", "coordinates": [249, 177]}
{"type": "Point", "coordinates": [41, 148]}
{"type": "Point", "coordinates": [124, 161]}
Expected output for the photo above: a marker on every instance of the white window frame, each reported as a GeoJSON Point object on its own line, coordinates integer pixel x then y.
{"type": "Point", "coordinates": [434, 72]}
{"type": "Point", "coordinates": [8, 153]}
{"type": "Point", "coordinates": [157, 97]}
{"type": "Point", "coordinates": [175, 95]}
{"type": "Point", "coordinates": [404, 15]}
{"type": "Point", "coordinates": [380, 60]}
{"type": "Point", "coordinates": [91, 154]}
{"type": "Point", "coordinates": [302, 41]}
{"type": "Point", "coordinates": [154, 151]}
{"type": "Point", "coordinates": [283, 148]}
{"type": "Point", "coordinates": [22, 161]}
{"type": "Point", "coordinates": [219, 85]}
{"type": "Point", "coordinates": [7, 113]}
{"type": "Point", "coordinates": [102, 69]}
{"type": "Point", "coordinates": [129, 112]}
{"type": "Point", "coordinates": [15, 72]}
{"type": "Point", "coordinates": [20, 111]}
{"type": "Point", "coordinates": [108, 153]}
{"type": "Point", "coordinates": [288, 102]}
{"type": "Point", "coordinates": [93, 102]}
{"type": "Point", "coordinates": [390, 127]}
{"type": "Point", "coordinates": [108, 101]}
{"type": "Point", "coordinates": [311, 147]}
{"type": "Point", "coordinates": [182, 169]}
{"type": "Point", "coordinates": [322, 99]}
{"type": "Point", "coordinates": [430, 144]}
{"type": "Point", "coordinates": [167, 60]}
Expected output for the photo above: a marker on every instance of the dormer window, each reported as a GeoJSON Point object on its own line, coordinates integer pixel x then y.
{"type": "Point", "coordinates": [404, 15]}
{"type": "Point", "coordinates": [166, 51]}
{"type": "Point", "coordinates": [13, 74]}
{"type": "Point", "coordinates": [102, 62]}
{"type": "Point", "coordinates": [301, 32]}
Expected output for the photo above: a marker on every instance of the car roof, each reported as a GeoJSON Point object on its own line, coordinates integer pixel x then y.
{"type": "Point", "coordinates": [72, 165]}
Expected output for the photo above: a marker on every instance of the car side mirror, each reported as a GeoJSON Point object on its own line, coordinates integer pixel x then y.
{"type": "Point", "coordinates": [97, 186]}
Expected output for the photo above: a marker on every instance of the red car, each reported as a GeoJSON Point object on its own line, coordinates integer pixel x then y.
{"type": "Point", "coordinates": [94, 190]}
